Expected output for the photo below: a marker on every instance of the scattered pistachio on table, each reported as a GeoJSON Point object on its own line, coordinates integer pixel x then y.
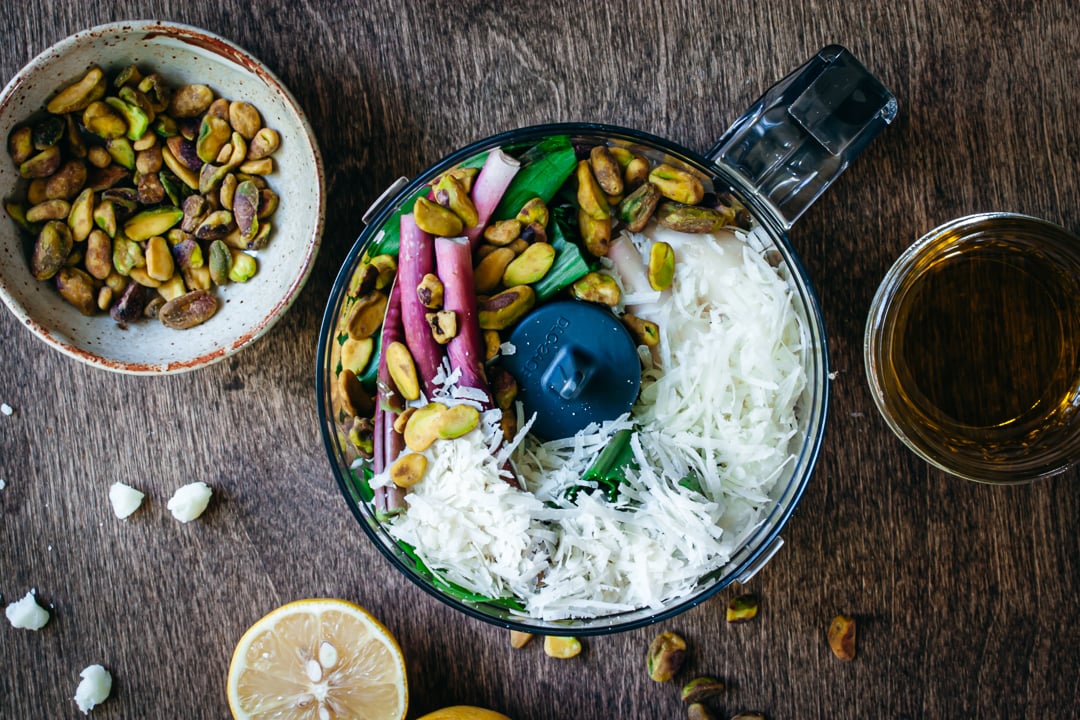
{"type": "Point", "coordinates": [132, 181]}
{"type": "Point", "coordinates": [841, 635]}
{"type": "Point", "coordinates": [742, 608]}
{"type": "Point", "coordinates": [666, 655]}
{"type": "Point", "coordinates": [700, 689]}
{"type": "Point", "coordinates": [562, 648]}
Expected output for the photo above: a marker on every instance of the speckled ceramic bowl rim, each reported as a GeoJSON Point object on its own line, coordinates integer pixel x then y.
{"type": "Point", "coordinates": [231, 52]}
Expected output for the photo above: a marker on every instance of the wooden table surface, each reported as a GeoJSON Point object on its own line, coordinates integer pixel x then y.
{"type": "Point", "coordinates": [967, 596]}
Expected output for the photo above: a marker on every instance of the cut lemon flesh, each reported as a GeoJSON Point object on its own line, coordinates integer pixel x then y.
{"type": "Point", "coordinates": [318, 660]}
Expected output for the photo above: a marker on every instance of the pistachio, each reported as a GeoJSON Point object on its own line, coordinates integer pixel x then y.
{"type": "Point", "coordinates": [41, 165]}
{"type": "Point", "coordinates": [661, 270]}
{"type": "Point", "coordinates": [355, 399]}
{"type": "Point", "coordinates": [366, 315]}
{"type": "Point", "coordinates": [666, 654]}
{"type": "Point", "coordinates": [188, 310]}
{"type": "Point", "coordinates": [748, 716]}
{"type": "Point", "coordinates": [159, 259]}
{"type": "Point", "coordinates": [98, 259]}
{"type": "Point", "coordinates": [151, 191]}
{"type": "Point", "coordinates": [530, 266]}
{"type": "Point", "coordinates": [458, 421]}
{"type": "Point", "coordinates": [77, 288]}
{"type": "Point", "coordinates": [190, 101]}
{"type": "Point", "coordinates": [165, 127]}
{"type": "Point", "coordinates": [841, 635]}
{"type": "Point", "coordinates": [127, 255]}
{"type": "Point", "coordinates": [356, 354]}
{"type": "Point", "coordinates": [129, 306]}
{"type": "Point", "coordinates": [155, 221]}
{"type": "Point", "coordinates": [422, 428]}
{"type": "Point", "coordinates": [464, 175]}
{"type": "Point", "coordinates": [220, 262]}
{"type": "Point", "coordinates": [590, 196]}
{"type": "Point", "coordinates": [636, 172]}
{"type": "Point", "coordinates": [156, 90]}
{"type": "Point", "coordinates": [264, 144]}
{"type": "Point", "coordinates": [742, 608]}
{"type": "Point", "coordinates": [102, 120]}
{"type": "Point", "coordinates": [399, 362]}
{"type": "Point", "coordinates": [606, 169]}
{"type": "Point", "coordinates": [492, 344]}
{"type": "Point", "coordinates": [598, 288]}
{"type": "Point", "coordinates": [129, 76]}
{"type": "Point", "coordinates": [483, 251]}
{"type": "Point", "coordinates": [105, 217]}
{"type": "Point", "coordinates": [245, 209]}
{"type": "Point", "coordinates": [693, 218]}
{"type": "Point", "coordinates": [503, 310]}
{"type": "Point", "coordinates": [195, 210]}
{"type": "Point", "coordinates": [701, 688]}
{"type": "Point", "coordinates": [75, 258]}
{"type": "Point", "coordinates": [244, 118]}
{"type": "Point", "coordinates": [637, 208]}
{"type": "Point", "coordinates": [135, 119]}
{"type": "Point", "coordinates": [215, 226]}
{"type": "Point", "coordinates": [430, 291]}
{"type": "Point", "coordinates": [243, 268]}
{"type": "Point", "coordinates": [117, 282]}
{"type": "Point", "coordinates": [81, 216]}
{"type": "Point", "coordinates": [402, 420]}
{"type": "Point", "coordinates": [17, 212]}
{"type": "Point", "coordinates": [35, 191]}
{"type": "Point", "coordinates": [21, 144]}
{"type": "Point", "coordinates": [214, 134]}
{"type": "Point", "coordinates": [621, 155]}
{"type": "Point", "coordinates": [408, 469]}
{"type": "Point", "coordinates": [678, 185]}
{"type": "Point", "coordinates": [49, 210]}
{"type": "Point", "coordinates": [386, 265]}
{"type": "Point", "coordinates": [645, 332]}
{"type": "Point", "coordinates": [148, 160]}
{"type": "Point", "coordinates": [562, 648]}
{"type": "Point", "coordinates": [52, 248]}
{"type": "Point", "coordinates": [148, 140]}
{"type": "Point", "coordinates": [443, 325]}
{"type": "Point", "coordinates": [48, 132]}
{"type": "Point", "coordinates": [503, 232]}
{"type": "Point", "coordinates": [121, 152]}
{"type": "Point", "coordinates": [489, 272]}
{"type": "Point", "coordinates": [436, 220]}
{"type": "Point", "coordinates": [450, 193]}
{"type": "Point", "coordinates": [519, 639]}
{"type": "Point", "coordinates": [178, 168]}
{"type": "Point", "coordinates": [172, 288]}
{"type": "Point", "coordinates": [534, 211]}
{"type": "Point", "coordinates": [98, 157]}
{"type": "Point", "coordinates": [698, 711]}
{"type": "Point", "coordinates": [595, 234]}
{"type": "Point", "coordinates": [185, 151]}
{"type": "Point", "coordinates": [268, 202]}
{"type": "Point", "coordinates": [104, 297]}
{"type": "Point", "coordinates": [264, 166]}
{"type": "Point", "coordinates": [79, 95]}
{"type": "Point", "coordinates": [227, 192]}
{"type": "Point", "coordinates": [504, 387]}
{"type": "Point", "coordinates": [211, 176]}
{"type": "Point", "coordinates": [197, 278]}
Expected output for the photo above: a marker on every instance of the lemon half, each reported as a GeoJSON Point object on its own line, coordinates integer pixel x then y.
{"type": "Point", "coordinates": [319, 659]}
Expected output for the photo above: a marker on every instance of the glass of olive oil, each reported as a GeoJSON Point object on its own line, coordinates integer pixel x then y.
{"type": "Point", "coordinates": [972, 348]}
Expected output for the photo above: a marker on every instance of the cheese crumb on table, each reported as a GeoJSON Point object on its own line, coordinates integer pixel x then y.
{"type": "Point", "coordinates": [125, 499]}
{"type": "Point", "coordinates": [6, 409]}
{"type": "Point", "coordinates": [26, 614]}
{"type": "Point", "coordinates": [95, 686]}
{"type": "Point", "coordinates": [189, 501]}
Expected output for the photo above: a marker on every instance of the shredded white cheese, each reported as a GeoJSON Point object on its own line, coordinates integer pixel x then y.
{"type": "Point", "coordinates": [125, 499]}
{"type": "Point", "coordinates": [26, 614]}
{"type": "Point", "coordinates": [718, 404]}
{"type": "Point", "coordinates": [189, 501]}
{"type": "Point", "coordinates": [93, 689]}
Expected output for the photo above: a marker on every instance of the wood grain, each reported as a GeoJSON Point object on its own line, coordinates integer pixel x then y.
{"type": "Point", "coordinates": [966, 596]}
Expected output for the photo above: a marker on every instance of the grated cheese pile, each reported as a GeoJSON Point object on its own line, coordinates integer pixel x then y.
{"type": "Point", "coordinates": [719, 402]}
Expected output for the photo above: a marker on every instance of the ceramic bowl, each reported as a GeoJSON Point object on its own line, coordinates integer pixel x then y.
{"type": "Point", "coordinates": [182, 55]}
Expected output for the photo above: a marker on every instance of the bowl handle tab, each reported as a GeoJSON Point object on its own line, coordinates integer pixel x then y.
{"type": "Point", "coordinates": [805, 130]}
{"type": "Point", "coordinates": [390, 192]}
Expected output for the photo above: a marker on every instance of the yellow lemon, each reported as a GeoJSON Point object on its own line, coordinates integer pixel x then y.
{"type": "Point", "coordinates": [318, 659]}
{"type": "Point", "coordinates": [464, 712]}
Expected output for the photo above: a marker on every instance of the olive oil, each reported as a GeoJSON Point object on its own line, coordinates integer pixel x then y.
{"type": "Point", "coordinates": [980, 369]}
